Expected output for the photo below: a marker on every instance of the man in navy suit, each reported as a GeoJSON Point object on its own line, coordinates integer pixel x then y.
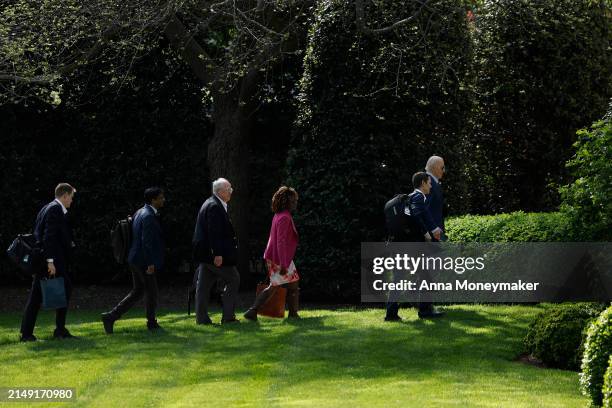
{"type": "Point", "coordinates": [422, 228]}
{"type": "Point", "coordinates": [435, 199]}
{"type": "Point", "coordinates": [53, 233]}
{"type": "Point", "coordinates": [215, 248]}
{"type": "Point", "coordinates": [146, 259]}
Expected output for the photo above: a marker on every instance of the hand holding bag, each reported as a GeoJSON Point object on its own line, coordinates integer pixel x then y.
{"type": "Point", "coordinates": [53, 293]}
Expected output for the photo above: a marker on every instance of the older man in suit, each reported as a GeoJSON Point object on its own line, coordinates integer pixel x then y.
{"type": "Point", "coordinates": [53, 233]}
{"type": "Point", "coordinates": [435, 199]}
{"type": "Point", "coordinates": [146, 259]}
{"type": "Point", "coordinates": [215, 248]}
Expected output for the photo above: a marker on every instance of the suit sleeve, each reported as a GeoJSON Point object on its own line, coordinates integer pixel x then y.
{"type": "Point", "coordinates": [421, 213]}
{"type": "Point", "coordinates": [52, 233]}
{"type": "Point", "coordinates": [148, 229]}
{"type": "Point", "coordinates": [215, 230]}
{"type": "Point", "coordinates": [283, 245]}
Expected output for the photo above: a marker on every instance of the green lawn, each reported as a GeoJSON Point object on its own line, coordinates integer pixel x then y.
{"type": "Point", "coordinates": [330, 358]}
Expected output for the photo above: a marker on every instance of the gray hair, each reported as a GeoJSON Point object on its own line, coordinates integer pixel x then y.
{"type": "Point", "coordinates": [431, 162]}
{"type": "Point", "coordinates": [219, 184]}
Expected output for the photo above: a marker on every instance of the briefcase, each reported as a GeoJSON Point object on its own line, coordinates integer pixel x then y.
{"type": "Point", "coordinates": [275, 305]}
{"type": "Point", "coordinates": [53, 293]}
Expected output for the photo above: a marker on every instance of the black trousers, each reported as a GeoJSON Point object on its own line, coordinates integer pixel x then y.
{"type": "Point", "coordinates": [142, 284]}
{"type": "Point", "coordinates": [33, 306]}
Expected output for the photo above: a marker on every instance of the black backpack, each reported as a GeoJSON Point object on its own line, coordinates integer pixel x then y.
{"type": "Point", "coordinates": [121, 240]}
{"type": "Point", "coordinates": [26, 254]}
{"type": "Point", "coordinates": [396, 220]}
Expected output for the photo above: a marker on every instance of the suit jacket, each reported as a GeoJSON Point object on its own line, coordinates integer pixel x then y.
{"type": "Point", "coordinates": [147, 240]}
{"type": "Point", "coordinates": [435, 202]}
{"type": "Point", "coordinates": [420, 216]}
{"type": "Point", "coordinates": [214, 234]}
{"type": "Point", "coordinates": [283, 240]}
{"type": "Point", "coordinates": [54, 234]}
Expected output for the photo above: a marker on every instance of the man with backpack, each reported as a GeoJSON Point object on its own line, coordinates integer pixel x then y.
{"type": "Point", "coordinates": [409, 220]}
{"type": "Point", "coordinates": [145, 258]}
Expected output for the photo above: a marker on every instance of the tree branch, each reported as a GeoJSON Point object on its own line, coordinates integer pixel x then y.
{"type": "Point", "coordinates": [360, 19]}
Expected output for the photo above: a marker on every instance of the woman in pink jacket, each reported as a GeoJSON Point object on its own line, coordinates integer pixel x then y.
{"type": "Point", "coordinates": [280, 252]}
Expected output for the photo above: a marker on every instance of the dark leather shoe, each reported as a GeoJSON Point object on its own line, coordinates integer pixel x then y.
{"type": "Point", "coordinates": [434, 314]}
{"type": "Point", "coordinates": [395, 318]}
{"type": "Point", "coordinates": [153, 325]}
{"type": "Point", "coordinates": [228, 321]}
{"type": "Point", "coordinates": [108, 321]}
{"type": "Point", "coordinates": [28, 338]}
{"type": "Point", "coordinates": [251, 314]}
{"type": "Point", "coordinates": [63, 334]}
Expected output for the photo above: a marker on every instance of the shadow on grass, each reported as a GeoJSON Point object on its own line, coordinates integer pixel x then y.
{"type": "Point", "coordinates": [343, 344]}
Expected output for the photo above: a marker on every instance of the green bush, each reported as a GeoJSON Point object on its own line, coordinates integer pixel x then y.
{"type": "Point", "coordinates": [597, 351]}
{"type": "Point", "coordinates": [588, 200]}
{"type": "Point", "coordinates": [607, 388]}
{"type": "Point", "coordinates": [542, 71]}
{"type": "Point", "coordinates": [372, 108]}
{"type": "Point", "coordinates": [556, 335]}
{"type": "Point", "coordinates": [513, 227]}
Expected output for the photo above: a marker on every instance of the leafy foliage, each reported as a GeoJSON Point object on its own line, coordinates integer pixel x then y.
{"type": "Point", "coordinates": [372, 109]}
{"type": "Point", "coordinates": [513, 227]}
{"type": "Point", "coordinates": [588, 200]}
{"type": "Point", "coordinates": [542, 71]}
{"type": "Point", "coordinates": [597, 352]}
{"type": "Point", "coordinates": [556, 335]}
{"type": "Point", "coordinates": [607, 387]}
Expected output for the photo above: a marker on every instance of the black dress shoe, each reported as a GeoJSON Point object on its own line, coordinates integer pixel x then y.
{"type": "Point", "coordinates": [395, 318]}
{"type": "Point", "coordinates": [434, 314]}
{"type": "Point", "coordinates": [228, 321]}
{"type": "Point", "coordinates": [108, 321]}
{"type": "Point", "coordinates": [153, 325]}
{"type": "Point", "coordinates": [28, 338]}
{"type": "Point", "coordinates": [63, 334]}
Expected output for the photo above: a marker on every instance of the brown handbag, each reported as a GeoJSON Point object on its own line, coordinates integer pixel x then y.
{"type": "Point", "coordinates": [275, 305]}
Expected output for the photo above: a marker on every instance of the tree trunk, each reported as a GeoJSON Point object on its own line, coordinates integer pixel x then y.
{"type": "Point", "coordinates": [228, 158]}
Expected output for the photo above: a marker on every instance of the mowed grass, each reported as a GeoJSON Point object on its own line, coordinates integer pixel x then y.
{"type": "Point", "coordinates": [330, 358]}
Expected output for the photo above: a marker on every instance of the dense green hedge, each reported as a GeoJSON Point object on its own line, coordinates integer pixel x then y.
{"type": "Point", "coordinates": [556, 335]}
{"type": "Point", "coordinates": [110, 147]}
{"type": "Point", "coordinates": [597, 351]}
{"type": "Point", "coordinates": [513, 227]}
{"type": "Point", "coordinates": [372, 109]}
{"type": "Point", "coordinates": [607, 387]}
{"type": "Point", "coordinates": [543, 71]}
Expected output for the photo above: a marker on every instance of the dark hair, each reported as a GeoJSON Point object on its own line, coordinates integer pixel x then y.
{"type": "Point", "coordinates": [152, 193]}
{"type": "Point", "coordinates": [418, 178]}
{"type": "Point", "coordinates": [64, 188]}
{"type": "Point", "coordinates": [282, 198]}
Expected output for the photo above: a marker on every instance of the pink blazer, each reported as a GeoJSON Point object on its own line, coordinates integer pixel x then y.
{"type": "Point", "coordinates": [283, 240]}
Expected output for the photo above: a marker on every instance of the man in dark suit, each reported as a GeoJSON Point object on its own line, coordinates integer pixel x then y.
{"type": "Point", "coordinates": [146, 259]}
{"type": "Point", "coordinates": [422, 229]}
{"type": "Point", "coordinates": [215, 248]}
{"type": "Point", "coordinates": [435, 199]}
{"type": "Point", "coordinates": [53, 233]}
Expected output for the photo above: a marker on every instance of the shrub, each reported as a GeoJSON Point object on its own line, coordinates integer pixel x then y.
{"type": "Point", "coordinates": [597, 350]}
{"type": "Point", "coordinates": [607, 388]}
{"type": "Point", "coordinates": [556, 335]}
{"type": "Point", "coordinates": [542, 73]}
{"type": "Point", "coordinates": [588, 200]}
{"type": "Point", "coordinates": [372, 108]}
{"type": "Point", "coordinates": [513, 227]}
